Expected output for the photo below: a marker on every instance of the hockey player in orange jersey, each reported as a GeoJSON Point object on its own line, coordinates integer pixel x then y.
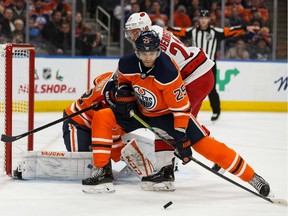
{"type": "Point", "coordinates": [77, 130]}
{"type": "Point", "coordinates": [194, 65]}
{"type": "Point", "coordinates": [150, 84]}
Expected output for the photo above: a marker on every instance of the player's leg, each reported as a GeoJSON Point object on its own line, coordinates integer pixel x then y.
{"type": "Point", "coordinates": [198, 90]}
{"type": "Point", "coordinates": [232, 162]}
{"type": "Point", "coordinates": [102, 126]}
{"type": "Point", "coordinates": [76, 138]}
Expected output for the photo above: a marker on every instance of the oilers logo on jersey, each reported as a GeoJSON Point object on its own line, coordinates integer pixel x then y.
{"type": "Point", "coordinates": [145, 97]}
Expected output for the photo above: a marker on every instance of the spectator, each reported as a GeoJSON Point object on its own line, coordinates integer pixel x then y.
{"type": "Point", "coordinates": [50, 29]}
{"type": "Point", "coordinates": [157, 16]}
{"type": "Point", "coordinates": [19, 10]}
{"type": "Point", "coordinates": [192, 8]}
{"type": "Point", "coordinates": [99, 48]}
{"type": "Point", "coordinates": [263, 33]}
{"type": "Point", "coordinates": [63, 40]}
{"type": "Point", "coordinates": [117, 12]}
{"type": "Point", "coordinates": [234, 4]}
{"type": "Point", "coordinates": [1, 9]}
{"type": "Point", "coordinates": [3, 38]}
{"type": "Point", "coordinates": [1, 14]}
{"type": "Point", "coordinates": [19, 29]}
{"type": "Point", "coordinates": [146, 6]}
{"type": "Point", "coordinates": [235, 18]}
{"type": "Point", "coordinates": [7, 23]}
{"type": "Point", "coordinates": [261, 51]}
{"type": "Point", "coordinates": [135, 8]}
{"type": "Point", "coordinates": [90, 43]}
{"type": "Point", "coordinates": [259, 5]}
{"type": "Point", "coordinates": [34, 32]}
{"type": "Point", "coordinates": [40, 15]}
{"type": "Point", "coordinates": [216, 18]}
{"type": "Point", "coordinates": [5, 4]}
{"type": "Point", "coordinates": [17, 39]}
{"type": "Point", "coordinates": [255, 13]}
{"type": "Point", "coordinates": [79, 24]}
{"type": "Point", "coordinates": [239, 51]}
{"type": "Point", "coordinates": [59, 5]}
{"type": "Point", "coordinates": [181, 19]}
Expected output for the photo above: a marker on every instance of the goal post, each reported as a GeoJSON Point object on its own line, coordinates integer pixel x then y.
{"type": "Point", "coordinates": [17, 65]}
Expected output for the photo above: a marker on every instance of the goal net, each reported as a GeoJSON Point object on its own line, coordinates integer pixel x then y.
{"type": "Point", "coordinates": [16, 101]}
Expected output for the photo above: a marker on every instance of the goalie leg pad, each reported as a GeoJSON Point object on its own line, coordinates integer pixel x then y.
{"type": "Point", "coordinates": [54, 165]}
{"type": "Point", "coordinates": [136, 160]}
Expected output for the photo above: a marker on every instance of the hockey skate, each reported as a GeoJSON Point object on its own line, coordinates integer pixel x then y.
{"type": "Point", "coordinates": [100, 182]}
{"type": "Point", "coordinates": [260, 185]}
{"type": "Point", "coordinates": [160, 181]}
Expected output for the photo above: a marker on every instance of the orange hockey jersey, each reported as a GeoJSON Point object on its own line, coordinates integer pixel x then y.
{"type": "Point", "coordinates": [162, 91]}
{"type": "Point", "coordinates": [87, 99]}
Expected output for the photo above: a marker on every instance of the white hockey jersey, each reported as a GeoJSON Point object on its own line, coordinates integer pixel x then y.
{"type": "Point", "coordinates": [192, 61]}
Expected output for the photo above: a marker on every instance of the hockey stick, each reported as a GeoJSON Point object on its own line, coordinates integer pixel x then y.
{"type": "Point", "coordinates": [271, 200]}
{"type": "Point", "coordinates": [8, 139]}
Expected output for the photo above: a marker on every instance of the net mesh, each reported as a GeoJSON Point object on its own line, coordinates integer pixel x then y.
{"type": "Point", "coordinates": [20, 102]}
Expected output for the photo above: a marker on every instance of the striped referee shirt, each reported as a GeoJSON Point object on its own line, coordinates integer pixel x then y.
{"type": "Point", "coordinates": [208, 39]}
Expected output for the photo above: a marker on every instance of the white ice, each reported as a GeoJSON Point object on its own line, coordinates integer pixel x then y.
{"type": "Point", "coordinates": [260, 138]}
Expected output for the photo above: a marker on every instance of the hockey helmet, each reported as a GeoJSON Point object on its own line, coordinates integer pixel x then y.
{"type": "Point", "coordinates": [204, 13]}
{"type": "Point", "coordinates": [139, 20]}
{"type": "Point", "coordinates": [148, 41]}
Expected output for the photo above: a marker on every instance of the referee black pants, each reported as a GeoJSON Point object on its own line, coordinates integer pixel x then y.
{"type": "Point", "coordinates": [213, 95]}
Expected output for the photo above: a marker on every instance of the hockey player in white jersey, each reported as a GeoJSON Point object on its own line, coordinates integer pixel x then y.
{"type": "Point", "coordinates": [196, 71]}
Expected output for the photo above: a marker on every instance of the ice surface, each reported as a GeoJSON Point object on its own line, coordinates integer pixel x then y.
{"type": "Point", "coordinates": [260, 138]}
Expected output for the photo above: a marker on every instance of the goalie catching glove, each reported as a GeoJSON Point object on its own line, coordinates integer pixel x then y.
{"type": "Point", "coordinates": [183, 150]}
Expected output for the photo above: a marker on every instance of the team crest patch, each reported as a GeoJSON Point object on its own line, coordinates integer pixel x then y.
{"type": "Point", "coordinates": [145, 97]}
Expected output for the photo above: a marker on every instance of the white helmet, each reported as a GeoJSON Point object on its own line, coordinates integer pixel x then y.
{"type": "Point", "coordinates": [138, 20]}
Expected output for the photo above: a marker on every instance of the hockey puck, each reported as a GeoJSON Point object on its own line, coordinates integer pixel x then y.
{"type": "Point", "coordinates": [167, 204]}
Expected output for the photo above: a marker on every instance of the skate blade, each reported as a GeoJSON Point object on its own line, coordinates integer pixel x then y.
{"type": "Point", "coordinates": [162, 186]}
{"type": "Point", "coordinates": [98, 189]}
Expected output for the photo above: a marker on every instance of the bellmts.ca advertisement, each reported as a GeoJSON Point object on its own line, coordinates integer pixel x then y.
{"type": "Point", "coordinates": [58, 79]}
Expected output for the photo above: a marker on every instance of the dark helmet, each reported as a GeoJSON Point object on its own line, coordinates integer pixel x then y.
{"type": "Point", "coordinates": [204, 13]}
{"type": "Point", "coordinates": [148, 41]}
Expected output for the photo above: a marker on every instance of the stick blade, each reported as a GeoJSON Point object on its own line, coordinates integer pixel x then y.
{"type": "Point", "coordinates": [5, 138]}
{"type": "Point", "coordinates": [281, 202]}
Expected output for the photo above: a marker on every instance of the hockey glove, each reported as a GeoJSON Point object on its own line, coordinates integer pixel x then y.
{"type": "Point", "coordinates": [125, 101]}
{"type": "Point", "coordinates": [183, 150]}
{"type": "Point", "coordinates": [109, 98]}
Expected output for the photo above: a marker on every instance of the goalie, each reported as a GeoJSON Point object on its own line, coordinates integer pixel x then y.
{"type": "Point", "coordinates": [77, 132]}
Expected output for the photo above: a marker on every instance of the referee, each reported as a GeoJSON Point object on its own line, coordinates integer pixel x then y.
{"type": "Point", "coordinates": [208, 38]}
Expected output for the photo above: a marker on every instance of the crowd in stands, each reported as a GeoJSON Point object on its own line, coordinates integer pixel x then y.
{"type": "Point", "coordinates": [237, 12]}
{"type": "Point", "coordinates": [50, 24]}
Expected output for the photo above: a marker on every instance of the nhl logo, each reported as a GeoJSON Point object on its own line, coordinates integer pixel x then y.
{"type": "Point", "coordinates": [208, 37]}
{"type": "Point", "coordinates": [143, 75]}
{"type": "Point", "coordinates": [47, 73]}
